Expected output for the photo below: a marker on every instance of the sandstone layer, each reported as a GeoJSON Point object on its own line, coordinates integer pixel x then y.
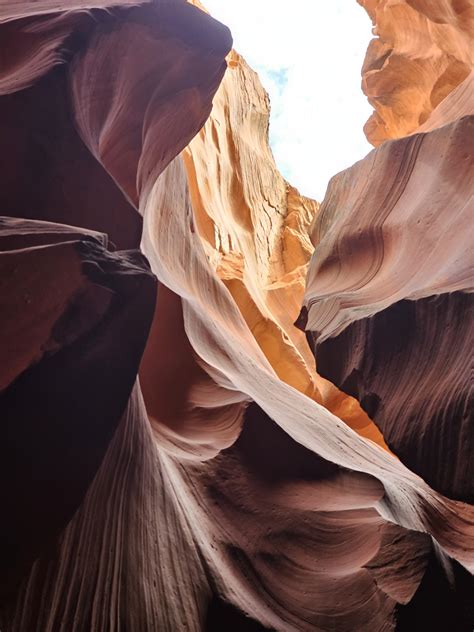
{"type": "Point", "coordinates": [423, 50]}
{"type": "Point", "coordinates": [388, 302]}
{"type": "Point", "coordinates": [77, 304]}
{"type": "Point", "coordinates": [229, 484]}
{"type": "Point", "coordinates": [389, 297]}
{"type": "Point", "coordinates": [254, 228]}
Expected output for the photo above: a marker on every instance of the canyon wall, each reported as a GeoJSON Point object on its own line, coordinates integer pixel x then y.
{"type": "Point", "coordinates": [422, 51]}
{"type": "Point", "coordinates": [254, 228]}
{"type": "Point", "coordinates": [165, 430]}
{"type": "Point", "coordinates": [393, 265]}
{"type": "Point", "coordinates": [388, 302]}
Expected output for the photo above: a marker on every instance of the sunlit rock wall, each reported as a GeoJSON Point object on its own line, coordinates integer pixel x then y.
{"type": "Point", "coordinates": [393, 268]}
{"type": "Point", "coordinates": [388, 302]}
{"type": "Point", "coordinates": [254, 227]}
{"type": "Point", "coordinates": [170, 458]}
{"type": "Point", "coordinates": [389, 297]}
{"type": "Point", "coordinates": [422, 51]}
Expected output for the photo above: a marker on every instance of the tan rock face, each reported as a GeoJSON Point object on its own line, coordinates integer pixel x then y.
{"type": "Point", "coordinates": [388, 301]}
{"type": "Point", "coordinates": [398, 272]}
{"type": "Point", "coordinates": [254, 227]}
{"type": "Point", "coordinates": [408, 201]}
{"type": "Point", "coordinates": [422, 52]}
{"type": "Point", "coordinates": [230, 470]}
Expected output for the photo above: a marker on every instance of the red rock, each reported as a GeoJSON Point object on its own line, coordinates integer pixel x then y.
{"type": "Point", "coordinates": [421, 53]}
{"type": "Point", "coordinates": [74, 320]}
{"type": "Point", "coordinates": [232, 479]}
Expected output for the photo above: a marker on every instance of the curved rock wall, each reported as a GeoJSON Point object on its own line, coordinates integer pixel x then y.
{"type": "Point", "coordinates": [388, 300]}
{"type": "Point", "coordinates": [230, 470]}
{"type": "Point", "coordinates": [78, 297]}
{"type": "Point", "coordinates": [421, 53]}
{"type": "Point", "coordinates": [392, 283]}
{"type": "Point", "coordinates": [254, 227]}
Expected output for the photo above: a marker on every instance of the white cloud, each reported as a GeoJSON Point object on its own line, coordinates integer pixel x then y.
{"type": "Point", "coordinates": [309, 55]}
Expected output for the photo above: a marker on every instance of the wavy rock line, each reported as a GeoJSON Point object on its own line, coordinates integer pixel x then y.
{"type": "Point", "coordinates": [278, 506]}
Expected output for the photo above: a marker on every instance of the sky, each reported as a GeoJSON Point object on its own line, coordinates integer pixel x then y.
{"type": "Point", "coordinates": [309, 56]}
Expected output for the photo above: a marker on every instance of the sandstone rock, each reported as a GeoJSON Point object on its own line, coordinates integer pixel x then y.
{"type": "Point", "coordinates": [399, 289]}
{"type": "Point", "coordinates": [74, 320]}
{"type": "Point", "coordinates": [388, 301]}
{"type": "Point", "coordinates": [231, 470]}
{"type": "Point", "coordinates": [422, 52]}
{"type": "Point", "coordinates": [75, 317]}
{"type": "Point", "coordinates": [257, 505]}
{"type": "Point", "coordinates": [254, 227]}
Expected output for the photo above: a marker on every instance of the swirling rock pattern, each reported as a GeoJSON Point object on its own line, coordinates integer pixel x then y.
{"type": "Point", "coordinates": [246, 557]}
{"type": "Point", "coordinates": [421, 53]}
{"type": "Point", "coordinates": [388, 302]}
{"type": "Point", "coordinates": [227, 485]}
{"type": "Point", "coordinates": [430, 431]}
{"type": "Point", "coordinates": [75, 311]}
{"type": "Point", "coordinates": [66, 304]}
{"type": "Point", "coordinates": [254, 227]}
{"type": "Point", "coordinates": [391, 281]}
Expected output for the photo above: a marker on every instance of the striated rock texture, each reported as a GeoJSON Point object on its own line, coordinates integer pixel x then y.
{"type": "Point", "coordinates": [254, 228]}
{"type": "Point", "coordinates": [390, 296]}
{"type": "Point", "coordinates": [262, 508]}
{"type": "Point", "coordinates": [171, 459]}
{"type": "Point", "coordinates": [421, 53]}
{"type": "Point", "coordinates": [388, 303]}
{"type": "Point", "coordinates": [77, 304]}
{"type": "Point", "coordinates": [67, 305]}
{"type": "Point", "coordinates": [392, 276]}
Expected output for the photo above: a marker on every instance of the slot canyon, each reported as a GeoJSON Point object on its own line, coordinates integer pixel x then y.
{"type": "Point", "coordinates": [224, 405]}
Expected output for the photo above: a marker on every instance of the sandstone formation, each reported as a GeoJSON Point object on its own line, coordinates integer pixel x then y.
{"type": "Point", "coordinates": [388, 302]}
{"type": "Point", "coordinates": [394, 255]}
{"type": "Point", "coordinates": [230, 484]}
{"type": "Point", "coordinates": [390, 296]}
{"type": "Point", "coordinates": [66, 304]}
{"type": "Point", "coordinates": [254, 228]}
{"type": "Point", "coordinates": [75, 311]}
{"type": "Point", "coordinates": [422, 51]}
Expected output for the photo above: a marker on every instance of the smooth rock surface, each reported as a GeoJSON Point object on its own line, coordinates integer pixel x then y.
{"type": "Point", "coordinates": [229, 484]}
{"type": "Point", "coordinates": [421, 53]}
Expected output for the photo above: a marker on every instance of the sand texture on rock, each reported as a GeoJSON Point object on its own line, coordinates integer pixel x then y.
{"type": "Point", "coordinates": [423, 50]}
{"type": "Point", "coordinates": [170, 458]}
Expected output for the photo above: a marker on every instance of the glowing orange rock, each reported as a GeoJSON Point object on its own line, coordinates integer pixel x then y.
{"type": "Point", "coordinates": [422, 51]}
{"type": "Point", "coordinates": [254, 227]}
